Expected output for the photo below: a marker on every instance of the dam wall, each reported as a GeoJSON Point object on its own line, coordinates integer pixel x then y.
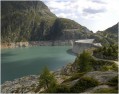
{"type": "Point", "coordinates": [80, 45]}
{"type": "Point", "coordinates": [78, 48]}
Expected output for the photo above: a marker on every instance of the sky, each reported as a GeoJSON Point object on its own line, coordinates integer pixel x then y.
{"type": "Point", "coordinates": [94, 14]}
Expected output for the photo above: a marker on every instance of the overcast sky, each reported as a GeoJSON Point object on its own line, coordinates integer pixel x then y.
{"type": "Point", "coordinates": [94, 14]}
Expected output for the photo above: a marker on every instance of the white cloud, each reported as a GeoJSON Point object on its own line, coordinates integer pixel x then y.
{"type": "Point", "coordinates": [63, 15]}
{"type": "Point", "coordinates": [94, 14]}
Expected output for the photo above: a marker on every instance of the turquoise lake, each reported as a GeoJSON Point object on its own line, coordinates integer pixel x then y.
{"type": "Point", "coordinates": [19, 62]}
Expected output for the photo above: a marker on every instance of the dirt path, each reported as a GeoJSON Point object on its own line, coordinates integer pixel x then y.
{"type": "Point", "coordinates": [117, 62]}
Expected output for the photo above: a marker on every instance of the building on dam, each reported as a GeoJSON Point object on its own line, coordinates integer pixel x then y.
{"type": "Point", "coordinates": [80, 45]}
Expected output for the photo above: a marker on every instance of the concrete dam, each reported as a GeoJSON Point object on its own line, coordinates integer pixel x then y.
{"type": "Point", "coordinates": [80, 45]}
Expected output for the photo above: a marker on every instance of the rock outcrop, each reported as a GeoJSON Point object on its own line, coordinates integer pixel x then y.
{"type": "Point", "coordinates": [92, 90]}
{"type": "Point", "coordinates": [102, 77]}
{"type": "Point", "coordinates": [21, 85]}
{"type": "Point", "coordinates": [28, 84]}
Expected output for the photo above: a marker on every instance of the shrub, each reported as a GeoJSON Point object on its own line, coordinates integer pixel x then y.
{"type": "Point", "coordinates": [62, 89]}
{"type": "Point", "coordinates": [113, 81]}
{"type": "Point", "coordinates": [58, 89]}
{"type": "Point", "coordinates": [51, 89]}
{"type": "Point", "coordinates": [106, 90]}
{"type": "Point", "coordinates": [84, 62]}
{"type": "Point", "coordinates": [115, 67]}
{"type": "Point", "coordinates": [109, 67]}
{"type": "Point", "coordinates": [100, 65]}
{"type": "Point", "coordinates": [74, 77]}
{"type": "Point", "coordinates": [107, 52]}
{"type": "Point", "coordinates": [83, 84]}
{"type": "Point", "coordinates": [106, 68]}
{"type": "Point", "coordinates": [47, 79]}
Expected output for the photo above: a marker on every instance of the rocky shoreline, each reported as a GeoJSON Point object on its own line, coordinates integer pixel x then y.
{"type": "Point", "coordinates": [27, 84]}
{"type": "Point", "coordinates": [36, 43]}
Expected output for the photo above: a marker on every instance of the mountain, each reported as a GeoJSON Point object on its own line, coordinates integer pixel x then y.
{"type": "Point", "coordinates": [33, 21]}
{"type": "Point", "coordinates": [20, 18]}
{"type": "Point", "coordinates": [108, 36]}
{"type": "Point", "coordinates": [112, 30]}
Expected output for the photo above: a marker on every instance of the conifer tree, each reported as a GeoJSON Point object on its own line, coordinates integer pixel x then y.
{"type": "Point", "coordinates": [84, 62]}
{"type": "Point", "coordinates": [47, 79]}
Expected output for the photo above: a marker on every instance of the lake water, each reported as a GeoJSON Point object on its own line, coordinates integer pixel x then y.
{"type": "Point", "coordinates": [18, 62]}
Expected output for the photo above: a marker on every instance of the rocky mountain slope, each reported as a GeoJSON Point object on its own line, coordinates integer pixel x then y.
{"type": "Point", "coordinates": [113, 29]}
{"type": "Point", "coordinates": [108, 36]}
{"type": "Point", "coordinates": [33, 21]}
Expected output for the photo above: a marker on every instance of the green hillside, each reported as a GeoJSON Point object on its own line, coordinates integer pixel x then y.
{"type": "Point", "coordinates": [108, 36]}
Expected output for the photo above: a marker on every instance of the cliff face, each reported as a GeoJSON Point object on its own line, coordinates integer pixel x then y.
{"type": "Point", "coordinates": [23, 21]}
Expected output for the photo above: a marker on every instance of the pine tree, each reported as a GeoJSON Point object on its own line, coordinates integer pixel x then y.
{"type": "Point", "coordinates": [47, 79]}
{"type": "Point", "coordinates": [84, 62]}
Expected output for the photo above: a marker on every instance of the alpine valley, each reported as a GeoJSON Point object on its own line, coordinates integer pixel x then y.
{"type": "Point", "coordinates": [34, 38]}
